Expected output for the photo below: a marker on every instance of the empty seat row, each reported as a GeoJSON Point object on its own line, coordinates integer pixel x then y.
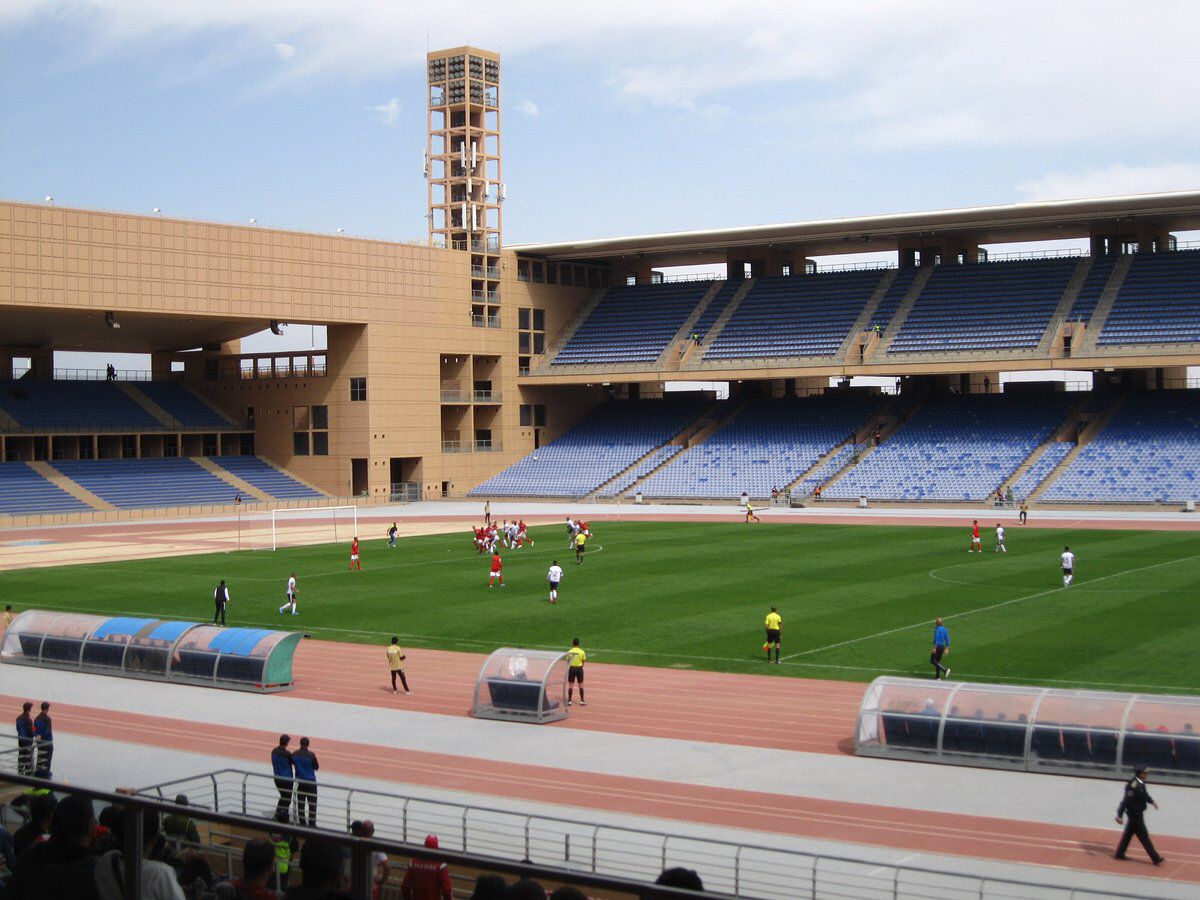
{"type": "Point", "coordinates": [26, 492]}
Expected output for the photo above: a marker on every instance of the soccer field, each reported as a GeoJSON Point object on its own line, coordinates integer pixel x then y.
{"type": "Point", "coordinates": [857, 601]}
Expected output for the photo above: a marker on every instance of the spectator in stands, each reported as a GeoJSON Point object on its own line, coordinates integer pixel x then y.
{"type": "Point", "coordinates": [8, 855]}
{"type": "Point", "coordinates": [322, 863]}
{"type": "Point", "coordinates": [679, 877]}
{"type": "Point", "coordinates": [876, 437]}
{"type": "Point", "coordinates": [381, 866]}
{"type": "Point", "coordinates": [306, 765]}
{"type": "Point", "coordinates": [285, 771]}
{"type": "Point", "coordinates": [196, 876]}
{"type": "Point", "coordinates": [25, 740]}
{"type": "Point", "coordinates": [489, 887]}
{"type": "Point", "coordinates": [817, 493]}
{"type": "Point", "coordinates": [285, 848]}
{"type": "Point", "coordinates": [43, 732]}
{"type": "Point", "coordinates": [62, 866]}
{"type": "Point", "coordinates": [429, 879]}
{"type": "Point", "coordinates": [157, 863]}
{"type": "Point", "coordinates": [180, 825]}
{"type": "Point", "coordinates": [41, 811]}
{"type": "Point", "coordinates": [525, 889]}
{"type": "Point", "coordinates": [775, 496]}
{"type": "Point", "coordinates": [258, 864]}
{"type": "Point", "coordinates": [110, 373]}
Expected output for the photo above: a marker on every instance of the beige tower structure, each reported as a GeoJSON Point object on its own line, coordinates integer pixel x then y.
{"type": "Point", "coordinates": [462, 167]}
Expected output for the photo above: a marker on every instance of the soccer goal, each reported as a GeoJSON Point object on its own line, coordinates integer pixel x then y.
{"type": "Point", "coordinates": [313, 525]}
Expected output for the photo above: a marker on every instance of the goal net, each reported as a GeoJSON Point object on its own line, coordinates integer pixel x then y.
{"type": "Point", "coordinates": [311, 525]}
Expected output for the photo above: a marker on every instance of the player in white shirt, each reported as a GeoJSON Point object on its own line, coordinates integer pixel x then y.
{"type": "Point", "coordinates": [510, 536]}
{"type": "Point", "coordinates": [1068, 564]}
{"type": "Point", "coordinates": [1000, 548]}
{"type": "Point", "coordinates": [572, 530]}
{"type": "Point", "coordinates": [554, 576]}
{"type": "Point", "coordinates": [292, 593]}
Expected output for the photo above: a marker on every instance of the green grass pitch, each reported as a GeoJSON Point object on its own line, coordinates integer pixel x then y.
{"type": "Point", "coordinates": [857, 601]}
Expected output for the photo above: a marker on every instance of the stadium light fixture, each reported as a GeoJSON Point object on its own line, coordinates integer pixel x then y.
{"type": "Point", "coordinates": [110, 319]}
{"type": "Point", "coordinates": [157, 210]}
{"type": "Point", "coordinates": [276, 327]}
{"type": "Point", "coordinates": [341, 231]}
{"type": "Point", "coordinates": [49, 199]}
{"type": "Point", "coordinates": [253, 221]}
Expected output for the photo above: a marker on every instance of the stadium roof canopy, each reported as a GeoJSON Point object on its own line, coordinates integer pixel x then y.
{"type": "Point", "coordinates": [139, 332]}
{"type": "Point", "coordinates": [1012, 223]}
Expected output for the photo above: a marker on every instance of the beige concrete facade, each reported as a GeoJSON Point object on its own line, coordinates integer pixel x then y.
{"type": "Point", "coordinates": [393, 310]}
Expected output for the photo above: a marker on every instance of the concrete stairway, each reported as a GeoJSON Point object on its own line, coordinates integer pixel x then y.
{"type": "Point", "coordinates": [1099, 316]}
{"type": "Point", "coordinates": [1086, 436]}
{"type": "Point", "coordinates": [902, 311]}
{"type": "Point", "coordinates": [680, 347]}
{"type": "Point", "coordinates": [1063, 310]}
{"type": "Point", "coordinates": [245, 488]}
{"type": "Point", "coordinates": [78, 491]}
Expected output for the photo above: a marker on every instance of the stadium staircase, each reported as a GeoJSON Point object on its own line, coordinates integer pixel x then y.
{"type": "Point", "coordinates": [888, 419]}
{"type": "Point", "coordinates": [160, 415]}
{"type": "Point", "coordinates": [859, 335]}
{"type": "Point", "coordinates": [1086, 436]}
{"type": "Point", "coordinates": [719, 325]}
{"type": "Point", "coordinates": [681, 346]}
{"type": "Point", "coordinates": [902, 311]}
{"type": "Point", "coordinates": [287, 473]}
{"type": "Point", "coordinates": [1063, 311]}
{"type": "Point", "coordinates": [244, 487]}
{"type": "Point", "coordinates": [63, 483]}
{"type": "Point", "coordinates": [542, 366]}
{"type": "Point", "coordinates": [696, 432]}
{"type": "Point", "coordinates": [1100, 314]}
{"type": "Point", "coordinates": [1065, 432]}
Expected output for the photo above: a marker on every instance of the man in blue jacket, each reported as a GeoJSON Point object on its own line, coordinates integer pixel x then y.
{"type": "Point", "coordinates": [44, 732]}
{"type": "Point", "coordinates": [25, 736]}
{"type": "Point", "coordinates": [306, 765]}
{"type": "Point", "coordinates": [941, 646]}
{"type": "Point", "coordinates": [284, 767]}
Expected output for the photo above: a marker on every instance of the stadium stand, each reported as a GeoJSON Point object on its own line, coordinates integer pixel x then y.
{"type": "Point", "coordinates": [1148, 452]}
{"type": "Point", "coordinates": [985, 306]}
{"type": "Point", "coordinates": [1092, 288]}
{"type": "Point", "coordinates": [1158, 303]}
{"type": "Point", "coordinates": [1046, 462]}
{"type": "Point", "coordinates": [767, 444]}
{"type": "Point", "coordinates": [827, 470]}
{"type": "Point", "coordinates": [613, 438]}
{"type": "Point", "coordinates": [265, 477]}
{"type": "Point", "coordinates": [632, 323]}
{"type": "Point", "coordinates": [72, 406]}
{"type": "Point", "coordinates": [644, 468]}
{"type": "Point", "coordinates": [716, 306]}
{"type": "Point", "coordinates": [133, 483]}
{"type": "Point", "coordinates": [177, 401]}
{"type": "Point", "coordinates": [26, 492]}
{"type": "Point", "coordinates": [893, 297]}
{"type": "Point", "coordinates": [956, 447]}
{"type": "Point", "coordinates": [807, 315]}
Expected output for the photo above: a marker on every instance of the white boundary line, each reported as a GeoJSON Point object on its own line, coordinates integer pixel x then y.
{"type": "Point", "coordinates": [991, 606]}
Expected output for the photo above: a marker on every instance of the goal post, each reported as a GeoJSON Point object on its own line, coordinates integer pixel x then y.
{"type": "Point", "coordinates": [313, 525]}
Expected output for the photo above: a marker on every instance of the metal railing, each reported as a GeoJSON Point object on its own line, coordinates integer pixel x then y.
{"type": "Point", "coordinates": [454, 395]}
{"type": "Point", "coordinates": [599, 850]}
{"type": "Point", "coordinates": [487, 396]}
{"type": "Point", "coordinates": [359, 851]}
{"type": "Point", "coordinates": [855, 267]}
{"type": "Point", "coordinates": [405, 492]}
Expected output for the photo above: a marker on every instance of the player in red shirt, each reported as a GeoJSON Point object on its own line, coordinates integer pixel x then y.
{"type": "Point", "coordinates": [497, 572]}
{"type": "Point", "coordinates": [522, 535]}
{"type": "Point", "coordinates": [355, 562]}
{"type": "Point", "coordinates": [976, 544]}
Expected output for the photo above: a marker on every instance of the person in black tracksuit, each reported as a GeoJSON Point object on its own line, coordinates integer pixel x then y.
{"type": "Point", "coordinates": [220, 600]}
{"type": "Point", "coordinates": [1133, 805]}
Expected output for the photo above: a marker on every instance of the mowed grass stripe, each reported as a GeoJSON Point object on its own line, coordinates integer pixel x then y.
{"type": "Point", "coordinates": [857, 601]}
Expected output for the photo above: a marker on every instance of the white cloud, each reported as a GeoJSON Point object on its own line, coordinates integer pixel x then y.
{"type": "Point", "coordinates": [875, 73]}
{"type": "Point", "coordinates": [389, 113]}
{"type": "Point", "coordinates": [1112, 181]}
{"type": "Point", "coordinates": [528, 107]}
{"type": "Point", "coordinates": [285, 51]}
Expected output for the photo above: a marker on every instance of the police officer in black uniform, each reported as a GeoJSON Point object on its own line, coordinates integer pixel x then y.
{"type": "Point", "coordinates": [1133, 804]}
{"type": "Point", "coordinates": [220, 599]}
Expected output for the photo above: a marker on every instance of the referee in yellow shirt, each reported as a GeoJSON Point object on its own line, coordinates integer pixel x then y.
{"type": "Point", "coordinates": [774, 624]}
{"type": "Point", "coordinates": [575, 660]}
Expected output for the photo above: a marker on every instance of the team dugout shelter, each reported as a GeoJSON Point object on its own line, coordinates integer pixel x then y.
{"type": "Point", "coordinates": [517, 685]}
{"type": "Point", "coordinates": [246, 659]}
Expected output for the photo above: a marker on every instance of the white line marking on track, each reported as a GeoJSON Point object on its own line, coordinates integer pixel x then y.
{"type": "Point", "coordinates": [990, 606]}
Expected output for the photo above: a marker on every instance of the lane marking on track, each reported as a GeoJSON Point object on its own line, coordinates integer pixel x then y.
{"type": "Point", "coordinates": [990, 606]}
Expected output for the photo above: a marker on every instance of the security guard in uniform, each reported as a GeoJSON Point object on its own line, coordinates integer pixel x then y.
{"type": "Point", "coordinates": [1133, 804]}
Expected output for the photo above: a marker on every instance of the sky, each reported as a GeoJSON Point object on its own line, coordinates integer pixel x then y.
{"type": "Point", "coordinates": [618, 117]}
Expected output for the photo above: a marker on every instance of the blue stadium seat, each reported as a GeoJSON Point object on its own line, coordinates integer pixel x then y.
{"type": "Point", "coordinates": [985, 306]}
{"type": "Point", "coordinates": [73, 406]}
{"type": "Point", "coordinates": [24, 492]}
{"type": "Point", "coordinates": [610, 440]}
{"type": "Point", "coordinates": [958, 447]}
{"type": "Point", "coordinates": [265, 477]}
{"type": "Point", "coordinates": [177, 401]}
{"type": "Point", "coordinates": [1158, 303]}
{"type": "Point", "coordinates": [134, 483]}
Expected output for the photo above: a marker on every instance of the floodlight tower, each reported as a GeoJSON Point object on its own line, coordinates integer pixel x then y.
{"type": "Point", "coordinates": [462, 167]}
